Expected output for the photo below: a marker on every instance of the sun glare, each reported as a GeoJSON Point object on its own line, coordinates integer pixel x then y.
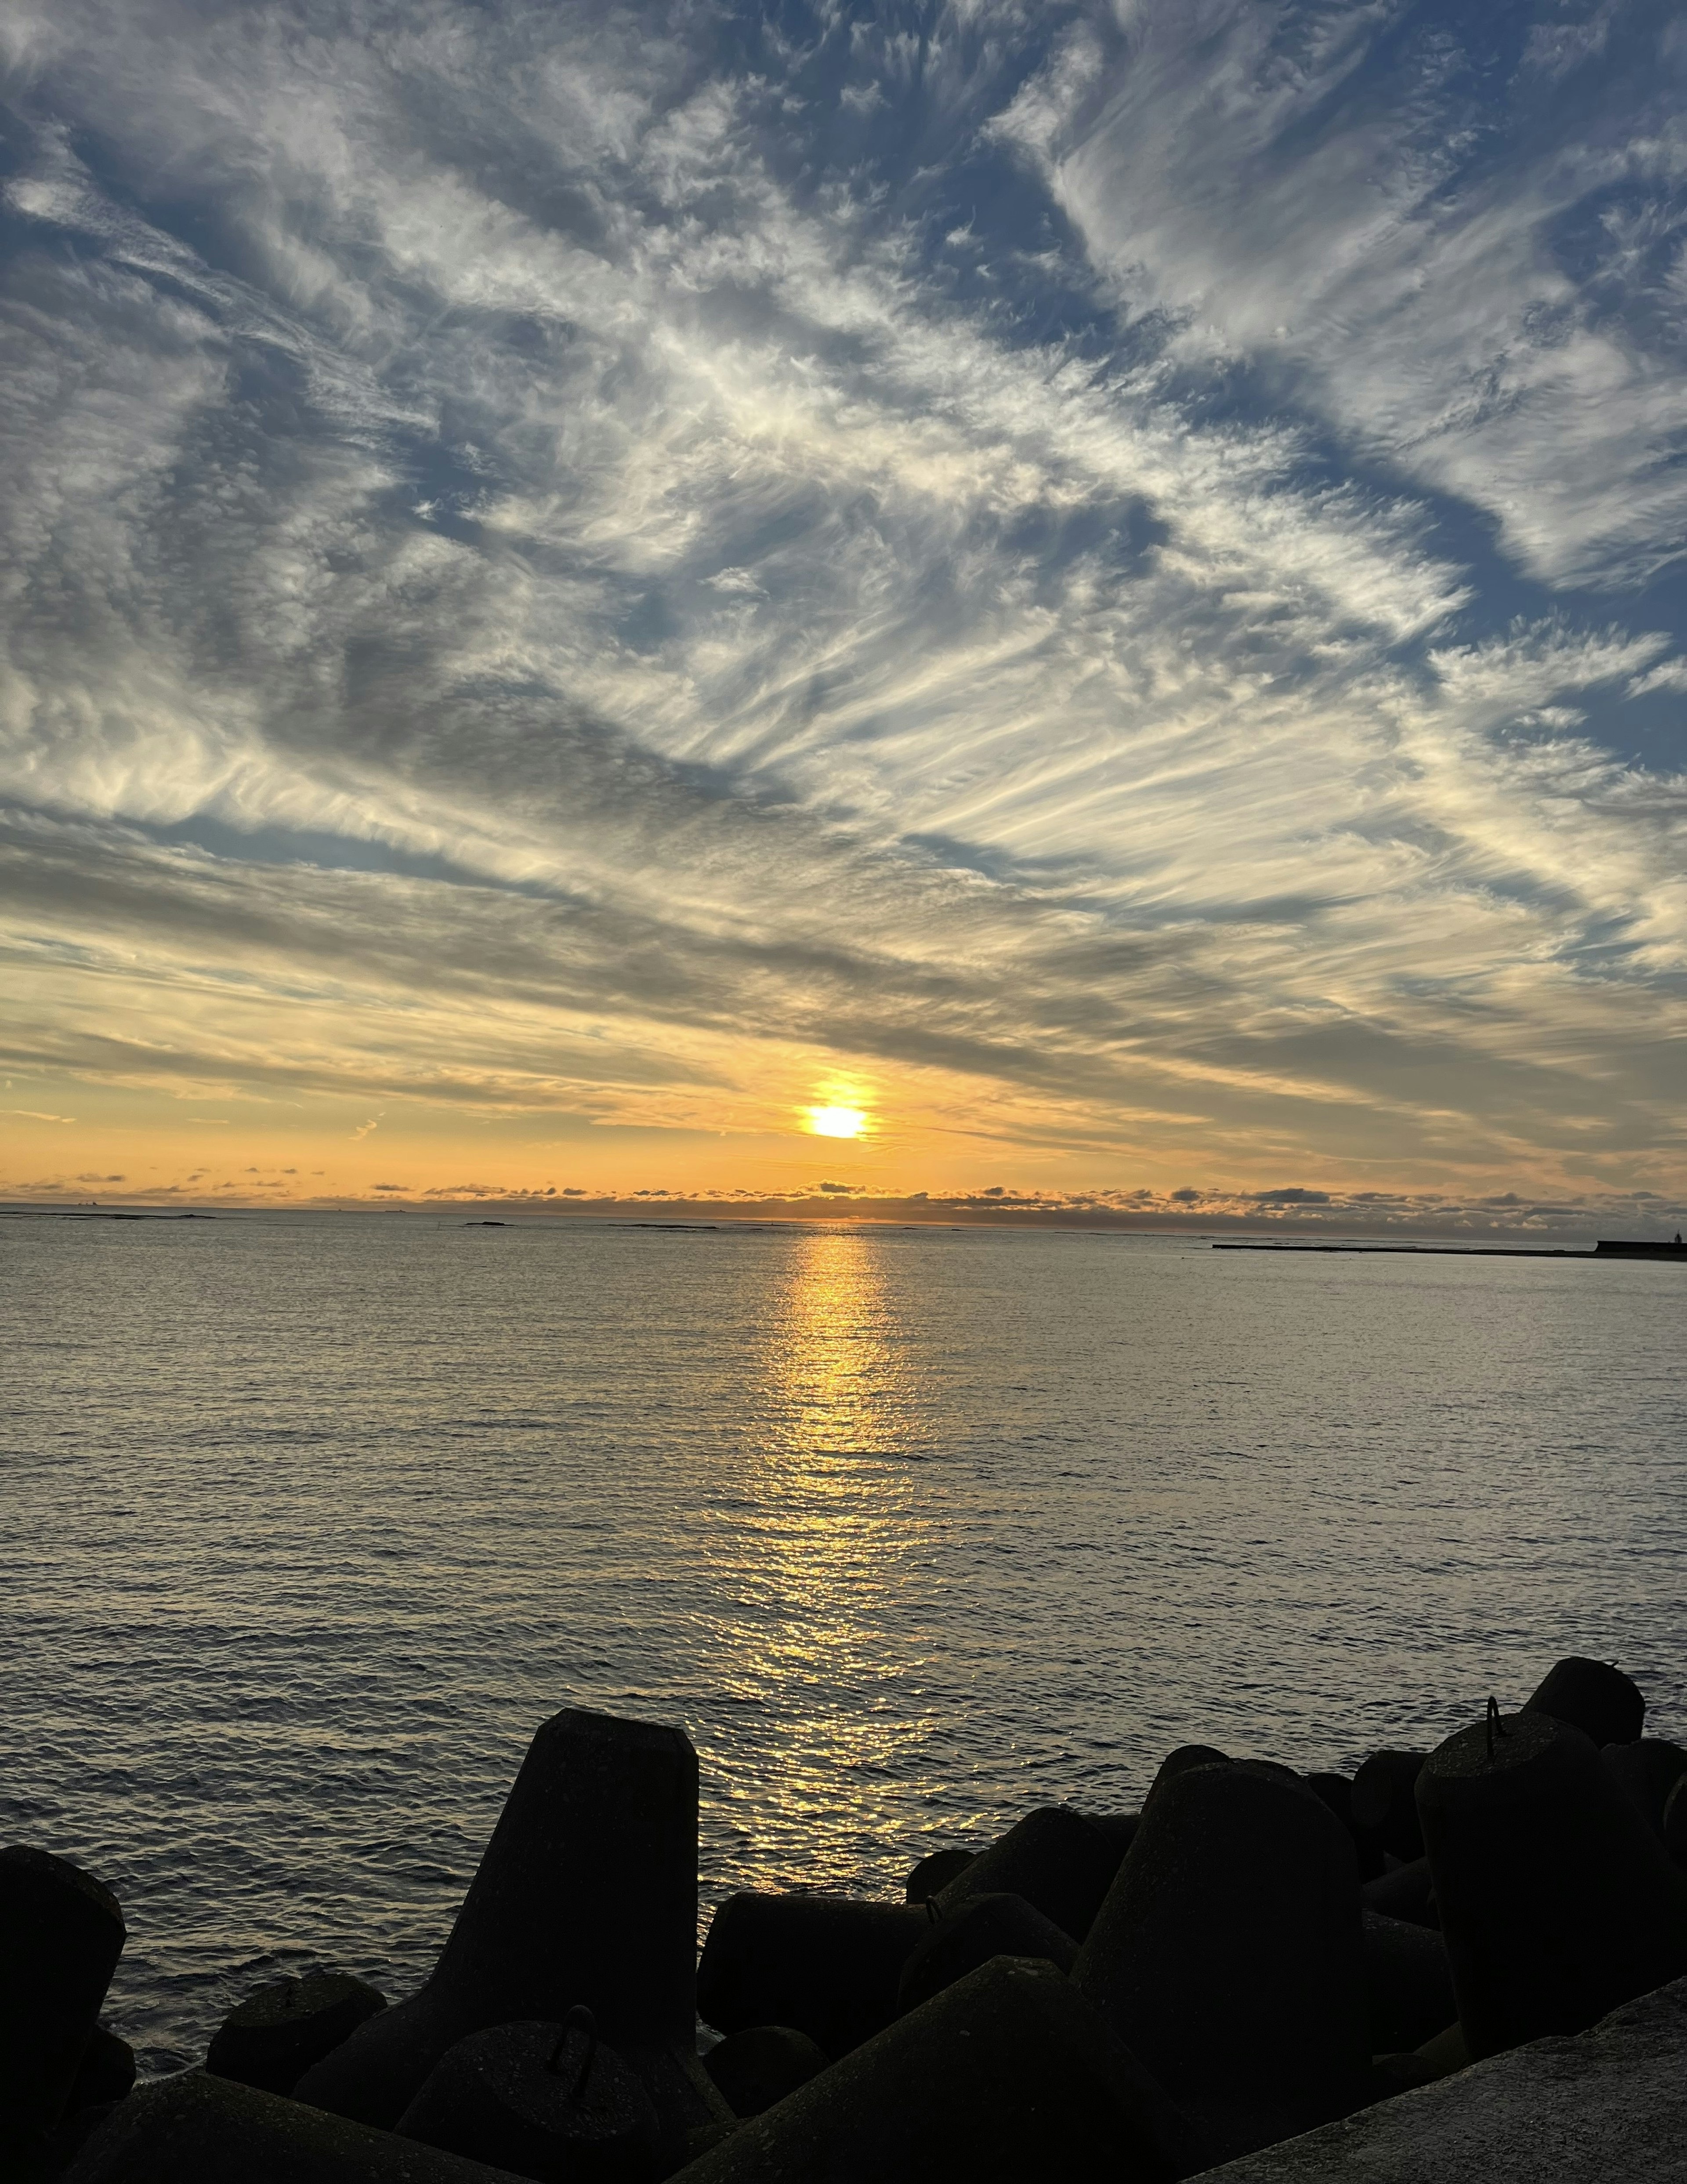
{"type": "Point", "coordinates": [837, 1122]}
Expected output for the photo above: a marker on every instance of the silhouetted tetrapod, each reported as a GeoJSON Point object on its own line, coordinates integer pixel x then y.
{"type": "Point", "coordinates": [1055, 1858]}
{"type": "Point", "coordinates": [1383, 1808]}
{"type": "Point", "coordinates": [1228, 1956]}
{"type": "Point", "coordinates": [1675, 1825]}
{"type": "Point", "coordinates": [195, 2128]}
{"type": "Point", "coordinates": [982, 1927]}
{"type": "Point", "coordinates": [272, 2039]}
{"type": "Point", "coordinates": [61, 1934]}
{"type": "Point", "coordinates": [587, 1892]}
{"type": "Point", "coordinates": [830, 1965]}
{"type": "Point", "coordinates": [1648, 1770]}
{"type": "Point", "coordinates": [1006, 2078]}
{"type": "Point", "coordinates": [1592, 1696]}
{"type": "Point", "coordinates": [753, 2069]}
{"type": "Point", "coordinates": [1557, 1902]}
{"type": "Point", "coordinates": [1407, 1892]}
{"type": "Point", "coordinates": [106, 2072]}
{"type": "Point", "coordinates": [1408, 1984]}
{"type": "Point", "coordinates": [1184, 1761]}
{"type": "Point", "coordinates": [546, 2101]}
{"type": "Point", "coordinates": [935, 1871]}
{"type": "Point", "coordinates": [1336, 1791]}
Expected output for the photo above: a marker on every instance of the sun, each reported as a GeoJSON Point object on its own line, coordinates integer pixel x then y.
{"type": "Point", "coordinates": [836, 1122]}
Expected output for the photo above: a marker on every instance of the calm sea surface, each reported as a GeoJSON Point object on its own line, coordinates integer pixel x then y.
{"type": "Point", "coordinates": [307, 1521]}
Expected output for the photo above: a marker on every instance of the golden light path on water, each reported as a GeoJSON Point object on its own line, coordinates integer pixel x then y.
{"type": "Point", "coordinates": [830, 1528]}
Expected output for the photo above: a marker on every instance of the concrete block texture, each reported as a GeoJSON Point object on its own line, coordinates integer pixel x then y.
{"type": "Point", "coordinates": [1604, 2105]}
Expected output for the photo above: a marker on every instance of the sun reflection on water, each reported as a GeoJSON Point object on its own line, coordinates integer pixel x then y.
{"type": "Point", "coordinates": [830, 1534]}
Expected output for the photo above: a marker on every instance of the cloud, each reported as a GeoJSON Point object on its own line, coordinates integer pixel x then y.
{"type": "Point", "coordinates": [569, 569]}
{"type": "Point", "coordinates": [1428, 231]}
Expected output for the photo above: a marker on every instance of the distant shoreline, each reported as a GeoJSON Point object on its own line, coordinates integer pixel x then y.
{"type": "Point", "coordinates": [681, 1220]}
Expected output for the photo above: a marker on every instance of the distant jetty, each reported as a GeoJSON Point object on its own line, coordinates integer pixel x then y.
{"type": "Point", "coordinates": [1605, 1249]}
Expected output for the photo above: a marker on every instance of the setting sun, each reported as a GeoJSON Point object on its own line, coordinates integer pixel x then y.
{"type": "Point", "coordinates": [837, 1122]}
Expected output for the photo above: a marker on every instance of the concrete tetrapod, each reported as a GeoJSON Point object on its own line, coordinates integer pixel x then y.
{"type": "Point", "coordinates": [1182, 1761]}
{"type": "Point", "coordinates": [1055, 1858]}
{"type": "Point", "coordinates": [1007, 2077]}
{"type": "Point", "coordinates": [272, 2039]}
{"type": "Point", "coordinates": [1406, 1892]}
{"type": "Point", "coordinates": [1648, 1769]}
{"type": "Point", "coordinates": [61, 1934]}
{"type": "Point", "coordinates": [1592, 1696]}
{"type": "Point", "coordinates": [1675, 1825]}
{"type": "Point", "coordinates": [1383, 1808]}
{"type": "Point", "coordinates": [754, 2068]}
{"type": "Point", "coordinates": [1408, 1984]}
{"type": "Point", "coordinates": [982, 1927]}
{"type": "Point", "coordinates": [106, 2072]}
{"type": "Point", "coordinates": [1336, 1791]}
{"type": "Point", "coordinates": [1229, 1956]}
{"type": "Point", "coordinates": [586, 1894]}
{"type": "Point", "coordinates": [193, 2129]}
{"type": "Point", "coordinates": [935, 1871]}
{"type": "Point", "coordinates": [830, 1965]}
{"type": "Point", "coordinates": [1557, 1902]}
{"type": "Point", "coordinates": [546, 2101]}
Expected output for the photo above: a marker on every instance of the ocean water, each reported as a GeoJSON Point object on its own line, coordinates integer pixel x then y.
{"type": "Point", "coordinates": [308, 1520]}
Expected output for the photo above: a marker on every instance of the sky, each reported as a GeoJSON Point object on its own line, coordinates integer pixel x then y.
{"type": "Point", "coordinates": [1099, 587]}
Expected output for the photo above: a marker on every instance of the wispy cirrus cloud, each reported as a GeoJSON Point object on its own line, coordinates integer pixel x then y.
{"type": "Point", "coordinates": [597, 563]}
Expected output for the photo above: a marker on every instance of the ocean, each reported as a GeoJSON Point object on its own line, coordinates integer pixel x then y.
{"type": "Point", "coordinates": [308, 1520]}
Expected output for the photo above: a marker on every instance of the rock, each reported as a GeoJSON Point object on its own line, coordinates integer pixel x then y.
{"type": "Point", "coordinates": [1593, 1698]}
{"type": "Point", "coordinates": [1606, 2107]}
{"type": "Point", "coordinates": [195, 2128]}
{"type": "Point", "coordinates": [61, 1934]}
{"type": "Point", "coordinates": [935, 1871]}
{"type": "Point", "coordinates": [586, 1894]}
{"type": "Point", "coordinates": [829, 1965]}
{"type": "Point", "coordinates": [272, 2039]}
{"type": "Point", "coordinates": [982, 1927]}
{"type": "Point", "coordinates": [1228, 1959]}
{"type": "Point", "coordinates": [542, 2100]}
{"type": "Point", "coordinates": [1055, 1858]}
{"type": "Point", "coordinates": [1007, 2077]}
{"type": "Point", "coordinates": [1557, 1902]}
{"type": "Point", "coordinates": [753, 2069]}
{"type": "Point", "coordinates": [1384, 1809]}
{"type": "Point", "coordinates": [1408, 1983]}
{"type": "Point", "coordinates": [105, 2074]}
{"type": "Point", "coordinates": [1648, 1770]}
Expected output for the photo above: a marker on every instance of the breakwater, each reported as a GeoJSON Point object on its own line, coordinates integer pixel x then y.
{"type": "Point", "coordinates": [1255, 1954]}
{"type": "Point", "coordinates": [1605, 1249]}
